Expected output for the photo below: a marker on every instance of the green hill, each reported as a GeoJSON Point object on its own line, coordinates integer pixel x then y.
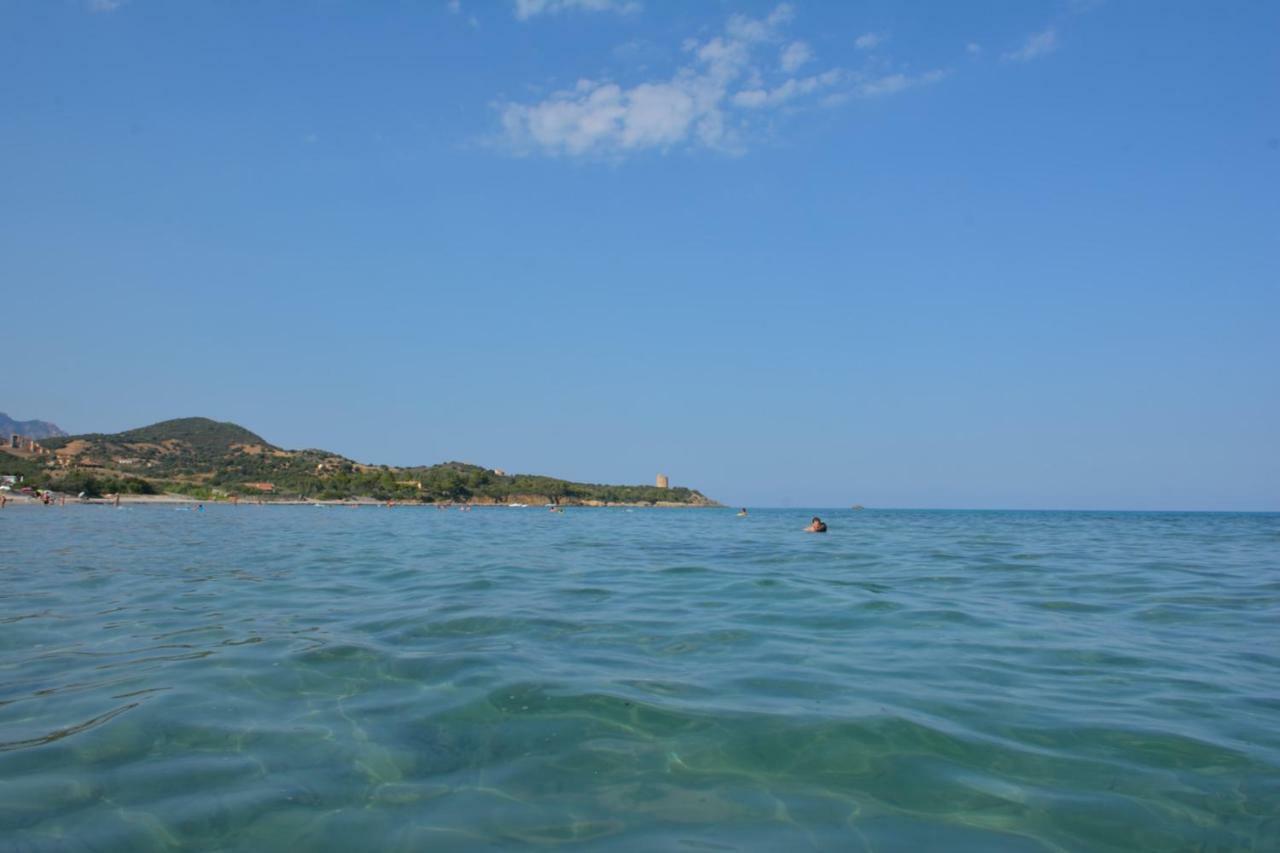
{"type": "Point", "coordinates": [209, 458]}
{"type": "Point", "coordinates": [183, 448]}
{"type": "Point", "coordinates": [201, 433]}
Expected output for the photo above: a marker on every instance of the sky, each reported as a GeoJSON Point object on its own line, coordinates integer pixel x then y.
{"type": "Point", "coordinates": [990, 255]}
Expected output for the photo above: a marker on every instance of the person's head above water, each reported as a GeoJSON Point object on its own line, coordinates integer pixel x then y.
{"type": "Point", "coordinates": [816, 526]}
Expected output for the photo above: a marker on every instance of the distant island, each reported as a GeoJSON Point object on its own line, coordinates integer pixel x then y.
{"type": "Point", "coordinates": [207, 459]}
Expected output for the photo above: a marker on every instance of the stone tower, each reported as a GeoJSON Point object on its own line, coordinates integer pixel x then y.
{"type": "Point", "coordinates": [663, 482]}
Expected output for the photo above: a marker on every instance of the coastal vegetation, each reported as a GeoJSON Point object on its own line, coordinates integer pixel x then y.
{"type": "Point", "coordinates": [96, 485]}
{"type": "Point", "coordinates": [210, 459]}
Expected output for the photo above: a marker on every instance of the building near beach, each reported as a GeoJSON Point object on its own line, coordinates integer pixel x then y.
{"type": "Point", "coordinates": [663, 482]}
{"type": "Point", "coordinates": [30, 445]}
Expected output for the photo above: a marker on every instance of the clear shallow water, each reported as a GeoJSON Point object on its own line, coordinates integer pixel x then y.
{"type": "Point", "coordinates": [252, 678]}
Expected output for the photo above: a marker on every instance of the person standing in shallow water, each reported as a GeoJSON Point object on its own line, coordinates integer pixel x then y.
{"type": "Point", "coordinates": [816, 526]}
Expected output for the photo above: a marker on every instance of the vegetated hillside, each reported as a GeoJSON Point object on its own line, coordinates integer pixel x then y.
{"type": "Point", "coordinates": [207, 458]}
{"type": "Point", "coordinates": [181, 448]}
{"type": "Point", "coordinates": [201, 433]}
{"type": "Point", "coordinates": [31, 429]}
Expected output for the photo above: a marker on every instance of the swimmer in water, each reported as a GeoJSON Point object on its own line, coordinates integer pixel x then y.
{"type": "Point", "coordinates": [816, 526]}
{"type": "Point", "coordinates": [742, 512]}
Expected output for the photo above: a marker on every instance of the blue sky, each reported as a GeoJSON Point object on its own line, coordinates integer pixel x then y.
{"type": "Point", "coordinates": [1018, 254]}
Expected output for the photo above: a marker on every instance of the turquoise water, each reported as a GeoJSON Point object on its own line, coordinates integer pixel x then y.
{"type": "Point", "coordinates": [254, 678]}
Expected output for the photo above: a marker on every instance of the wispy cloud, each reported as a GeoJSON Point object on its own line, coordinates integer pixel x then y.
{"type": "Point", "coordinates": [526, 9]}
{"type": "Point", "coordinates": [869, 41]}
{"type": "Point", "coordinates": [709, 101]}
{"type": "Point", "coordinates": [787, 90]}
{"type": "Point", "coordinates": [1037, 45]}
{"type": "Point", "coordinates": [794, 55]}
{"type": "Point", "coordinates": [891, 84]}
{"type": "Point", "coordinates": [973, 49]}
{"type": "Point", "coordinates": [455, 8]}
{"type": "Point", "coordinates": [105, 5]}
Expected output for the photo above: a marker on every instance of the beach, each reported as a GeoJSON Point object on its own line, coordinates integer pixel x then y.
{"type": "Point", "coordinates": [61, 500]}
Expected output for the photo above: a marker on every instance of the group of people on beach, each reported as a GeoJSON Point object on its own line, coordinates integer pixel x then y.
{"type": "Point", "coordinates": [46, 497]}
{"type": "Point", "coordinates": [50, 499]}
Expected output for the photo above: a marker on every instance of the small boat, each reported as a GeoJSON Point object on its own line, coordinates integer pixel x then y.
{"type": "Point", "coordinates": [518, 506]}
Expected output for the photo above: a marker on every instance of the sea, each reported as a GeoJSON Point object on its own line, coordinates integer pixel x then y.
{"type": "Point", "coordinates": [250, 678]}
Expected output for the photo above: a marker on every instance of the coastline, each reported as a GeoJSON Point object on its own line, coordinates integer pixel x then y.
{"type": "Point", "coordinates": [179, 500]}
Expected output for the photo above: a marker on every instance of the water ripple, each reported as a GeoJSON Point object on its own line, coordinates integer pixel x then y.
{"type": "Point", "coordinates": [251, 678]}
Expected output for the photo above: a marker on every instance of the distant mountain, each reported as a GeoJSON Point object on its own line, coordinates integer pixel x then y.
{"type": "Point", "coordinates": [31, 429]}
{"type": "Point", "coordinates": [209, 458]}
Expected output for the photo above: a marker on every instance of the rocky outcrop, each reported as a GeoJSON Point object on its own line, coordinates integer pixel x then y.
{"type": "Point", "coordinates": [30, 429]}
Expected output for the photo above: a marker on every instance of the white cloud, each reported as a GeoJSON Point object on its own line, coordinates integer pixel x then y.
{"type": "Point", "coordinates": [1036, 45]}
{"type": "Point", "coordinates": [789, 89]}
{"type": "Point", "coordinates": [526, 9]}
{"type": "Point", "coordinates": [455, 6]}
{"type": "Point", "coordinates": [973, 48]}
{"type": "Point", "coordinates": [869, 41]}
{"type": "Point", "coordinates": [794, 55]}
{"type": "Point", "coordinates": [742, 28]}
{"type": "Point", "coordinates": [891, 84]}
{"type": "Point", "coordinates": [105, 5]}
{"type": "Point", "coordinates": [711, 101]}
{"type": "Point", "coordinates": [602, 117]}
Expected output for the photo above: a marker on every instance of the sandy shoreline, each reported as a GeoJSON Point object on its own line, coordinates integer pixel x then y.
{"type": "Point", "coordinates": [179, 500]}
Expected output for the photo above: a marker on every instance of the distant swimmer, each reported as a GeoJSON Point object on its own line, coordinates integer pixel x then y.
{"type": "Point", "coordinates": [199, 507]}
{"type": "Point", "coordinates": [816, 526]}
{"type": "Point", "coordinates": [742, 512]}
